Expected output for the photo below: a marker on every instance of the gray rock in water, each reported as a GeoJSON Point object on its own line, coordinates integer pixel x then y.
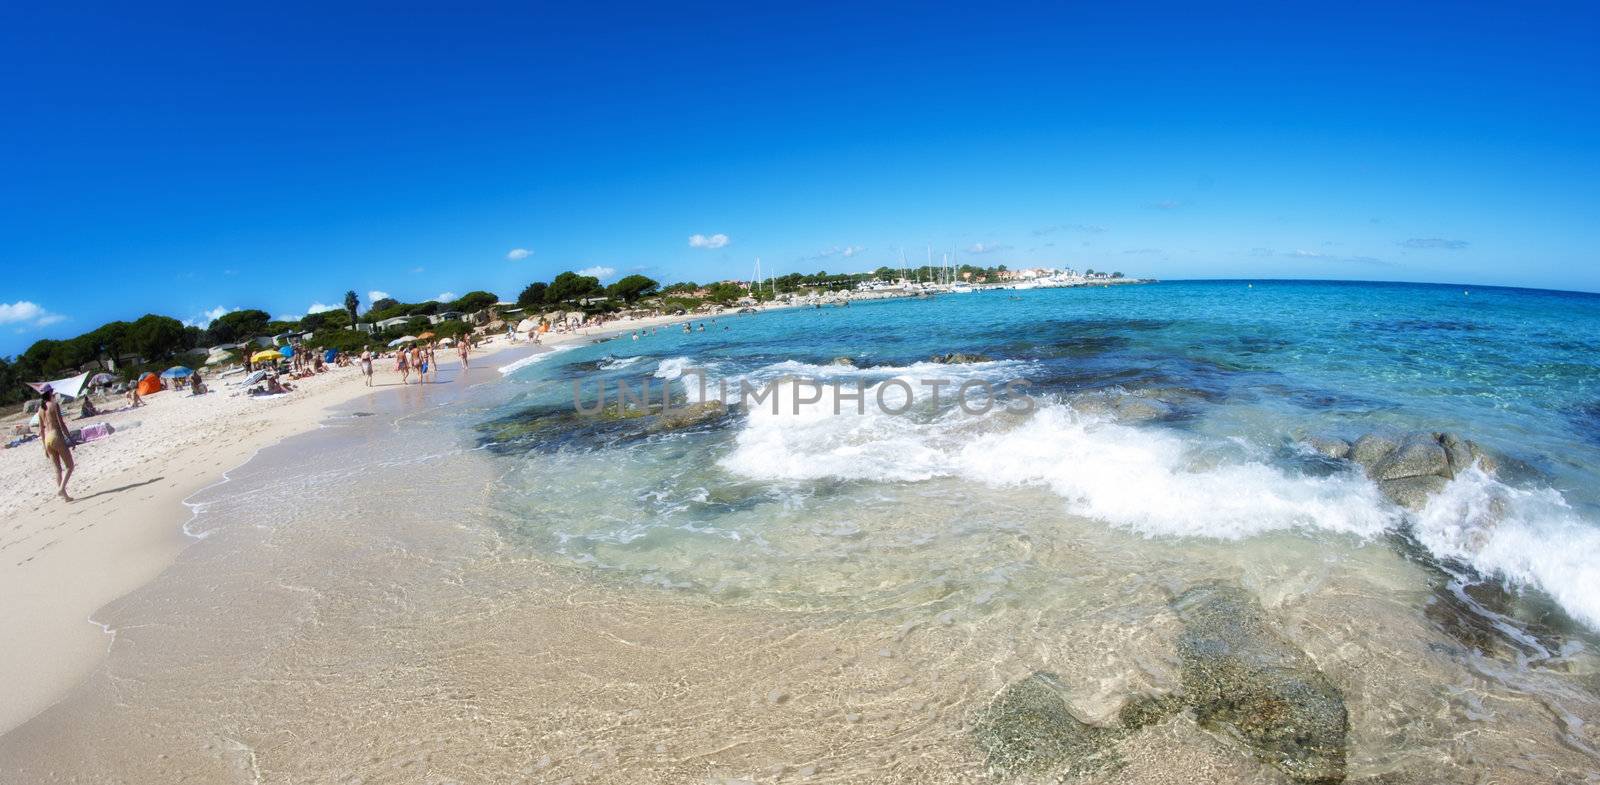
{"type": "Point", "coordinates": [843, 361]}
{"type": "Point", "coordinates": [1372, 448]}
{"type": "Point", "coordinates": [1412, 492]}
{"type": "Point", "coordinates": [1095, 405]}
{"type": "Point", "coordinates": [1483, 458]}
{"type": "Point", "coordinates": [1419, 456]}
{"type": "Point", "coordinates": [1457, 451]}
{"type": "Point", "coordinates": [1327, 446]}
{"type": "Point", "coordinates": [1137, 409]}
{"type": "Point", "coordinates": [956, 358]}
{"type": "Point", "coordinates": [1028, 729]}
{"type": "Point", "coordinates": [677, 419]}
{"type": "Point", "coordinates": [1240, 674]}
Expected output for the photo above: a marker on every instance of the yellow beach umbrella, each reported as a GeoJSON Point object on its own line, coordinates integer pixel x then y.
{"type": "Point", "coordinates": [265, 355]}
{"type": "Point", "coordinates": [424, 336]}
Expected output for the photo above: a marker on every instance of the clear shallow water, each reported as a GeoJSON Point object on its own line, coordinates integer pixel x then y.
{"type": "Point", "coordinates": [793, 506]}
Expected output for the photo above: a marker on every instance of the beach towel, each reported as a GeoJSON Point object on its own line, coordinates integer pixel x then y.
{"type": "Point", "coordinates": [99, 430]}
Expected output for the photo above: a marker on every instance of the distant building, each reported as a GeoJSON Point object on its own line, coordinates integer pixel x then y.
{"type": "Point", "coordinates": [444, 316]}
{"type": "Point", "coordinates": [391, 323]}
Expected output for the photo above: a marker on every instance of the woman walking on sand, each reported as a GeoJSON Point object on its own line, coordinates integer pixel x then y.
{"type": "Point", "coordinates": [57, 444]}
{"type": "Point", "coordinates": [401, 365]}
{"type": "Point", "coordinates": [366, 365]}
{"type": "Point", "coordinates": [464, 349]}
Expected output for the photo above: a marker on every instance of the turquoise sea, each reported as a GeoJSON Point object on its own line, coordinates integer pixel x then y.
{"type": "Point", "coordinates": [1228, 381]}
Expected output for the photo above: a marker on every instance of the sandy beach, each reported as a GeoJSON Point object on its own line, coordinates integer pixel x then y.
{"type": "Point", "coordinates": [61, 562]}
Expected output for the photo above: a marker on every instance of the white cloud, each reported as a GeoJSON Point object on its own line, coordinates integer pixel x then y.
{"type": "Point", "coordinates": [986, 248]}
{"type": "Point", "coordinates": [27, 314]}
{"type": "Point", "coordinates": [207, 317]}
{"type": "Point", "coordinates": [321, 307]}
{"type": "Point", "coordinates": [518, 254]}
{"type": "Point", "coordinates": [445, 297]}
{"type": "Point", "coordinates": [702, 241]}
{"type": "Point", "coordinates": [599, 271]}
{"type": "Point", "coordinates": [376, 295]}
{"type": "Point", "coordinates": [845, 251]}
{"type": "Point", "coordinates": [287, 318]}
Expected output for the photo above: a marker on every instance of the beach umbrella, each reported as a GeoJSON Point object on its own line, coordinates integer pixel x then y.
{"type": "Point", "coordinates": [402, 339]}
{"type": "Point", "coordinates": [176, 372]}
{"type": "Point", "coordinates": [253, 378]}
{"type": "Point", "coordinates": [528, 325]}
{"type": "Point", "coordinates": [100, 379]}
{"type": "Point", "coordinates": [265, 356]}
{"type": "Point", "coordinates": [286, 351]}
{"type": "Point", "coordinates": [425, 336]}
{"type": "Point", "coordinates": [329, 355]}
{"type": "Point", "coordinates": [447, 341]}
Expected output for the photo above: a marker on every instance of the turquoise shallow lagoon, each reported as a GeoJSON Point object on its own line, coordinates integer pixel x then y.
{"type": "Point", "coordinates": [1228, 379]}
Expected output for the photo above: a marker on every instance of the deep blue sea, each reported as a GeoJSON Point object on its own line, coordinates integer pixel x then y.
{"type": "Point", "coordinates": [1227, 381]}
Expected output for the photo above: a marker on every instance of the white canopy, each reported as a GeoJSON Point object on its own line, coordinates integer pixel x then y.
{"type": "Point", "coordinates": [70, 387]}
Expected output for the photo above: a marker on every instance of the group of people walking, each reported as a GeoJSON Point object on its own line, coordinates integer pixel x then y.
{"type": "Point", "coordinates": [421, 358]}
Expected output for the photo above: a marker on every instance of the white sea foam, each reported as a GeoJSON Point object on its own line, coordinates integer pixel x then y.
{"type": "Point", "coordinates": [508, 369]}
{"type": "Point", "coordinates": [1525, 537]}
{"type": "Point", "coordinates": [613, 363]}
{"type": "Point", "coordinates": [1164, 483]}
{"type": "Point", "coordinates": [1153, 482]}
{"type": "Point", "coordinates": [673, 367]}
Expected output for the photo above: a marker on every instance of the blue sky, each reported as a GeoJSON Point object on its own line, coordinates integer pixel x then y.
{"type": "Point", "coordinates": [179, 159]}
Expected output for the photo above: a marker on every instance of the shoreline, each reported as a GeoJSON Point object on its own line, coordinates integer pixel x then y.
{"type": "Point", "coordinates": [60, 564]}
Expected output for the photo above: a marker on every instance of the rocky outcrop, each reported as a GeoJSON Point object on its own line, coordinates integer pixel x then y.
{"type": "Point", "coordinates": [1029, 729]}
{"type": "Point", "coordinates": [958, 358]}
{"type": "Point", "coordinates": [1412, 493]}
{"type": "Point", "coordinates": [1327, 446]}
{"type": "Point", "coordinates": [1372, 448]}
{"type": "Point", "coordinates": [1408, 468]}
{"type": "Point", "coordinates": [1240, 674]}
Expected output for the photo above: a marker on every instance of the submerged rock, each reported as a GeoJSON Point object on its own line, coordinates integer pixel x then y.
{"type": "Point", "coordinates": [1144, 710]}
{"type": "Point", "coordinates": [1412, 493]}
{"type": "Point", "coordinates": [957, 358]}
{"type": "Point", "coordinates": [1417, 457]}
{"type": "Point", "coordinates": [548, 429]}
{"type": "Point", "coordinates": [1238, 673]}
{"type": "Point", "coordinates": [843, 361]}
{"type": "Point", "coordinates": [1029, 729]}
{"type": "Point", "coordinates": [1372, 448]}
{"type": "Point", "coordinates": [1410, 468]}
{"type": "Point", "coordinates": [688, 416]}
{"type": "Point", "coordinates": [1135, 408]}
{"type": "Point", "coordinates": [1327, 446]}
